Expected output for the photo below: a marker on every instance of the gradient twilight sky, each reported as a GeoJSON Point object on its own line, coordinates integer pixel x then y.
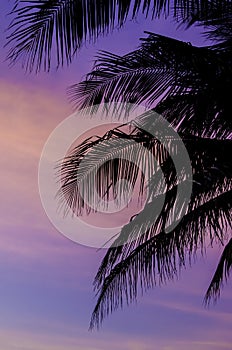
{"type": "Point", "coordinates": [46, 295]}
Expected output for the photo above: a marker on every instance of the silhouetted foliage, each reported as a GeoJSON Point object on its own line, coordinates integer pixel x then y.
{"type": "Point", "coordinates": [190, 86]}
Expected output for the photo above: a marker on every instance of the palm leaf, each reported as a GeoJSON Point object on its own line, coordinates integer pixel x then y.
{"type": "Point", "coordinates": [38, 26]}
{"type": "Point", "coordinates": [212, 180]}
{"type": "Point", "coordinates": [209, 214]}
{"type": "Point", "coordinates": [211, 177]}
{"type": "Point", "coordinates": [191, 83]}
{"type": "Point", "coordinates": [152, 70]}
{"type": "Point", "coordinates": [98, 164]}
{"type": "Point", "coordinates": [222, 273]}
{"type": "Point", "coordinates": [159, 258]}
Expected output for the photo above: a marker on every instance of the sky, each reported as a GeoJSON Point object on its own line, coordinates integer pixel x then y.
{"type": "Point", "coordinates": [46, 294]}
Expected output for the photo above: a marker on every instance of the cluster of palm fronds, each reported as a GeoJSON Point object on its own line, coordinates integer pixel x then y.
{"type": "Point", "coordinates": [40, 25]}
{"type": "Point", "coordinates": [189, 86]}
{"type": "Point", "coordinates": [143, 254]}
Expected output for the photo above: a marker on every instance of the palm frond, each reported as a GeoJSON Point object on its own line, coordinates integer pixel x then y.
{"type": "Point", "coordinates": [98, 164]}
{"type": "Point", "coordinates": [211, 183]}
{"type": "Point", "coordinates": [211, 177]}
{"type": "Point", "coordinates": [152, 71]}
{"type": "Point", "coordinates": [41, 25]}
{"type": "Point", "coordinates": [222, 273]}
{"type": "Point", "coordinates": [209, 215]}
{"type": "Point", "coordinates": [160, 258]}
{"type": "Point", "coordinates": [191, 83]}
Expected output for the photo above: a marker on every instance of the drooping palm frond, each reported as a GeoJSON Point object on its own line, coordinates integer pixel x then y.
{"type": "Point", "coordinates": [211, 190]}
{"type": "Point", "coordinates": [98, 164]}
{"type": "Point", "coordinates": [147, 224]}
{"type": "Point", "coordinates": [209, 214]}
{"type": "Point", "coordinates": [64, 24]}
{"type": "Point", "coordinates": [159, 258]}
{"type": "Point", "coordinates": [191, 83]}
{"type": "Point", "coordinates": [212, 176]}
{"type": "Point", "coordinates": [39, 26]}
{"type": "Point", "coordinates": [222, 273]}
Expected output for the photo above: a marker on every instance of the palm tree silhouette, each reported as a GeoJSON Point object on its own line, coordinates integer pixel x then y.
{"type": "Point", "coordinates": [189, 86]}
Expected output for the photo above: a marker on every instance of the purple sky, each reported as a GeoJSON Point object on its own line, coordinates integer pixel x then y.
{"type": "Point", "coordinates": [46, 295]}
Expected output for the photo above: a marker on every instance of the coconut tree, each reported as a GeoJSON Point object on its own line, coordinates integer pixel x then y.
{"type": "Point", "coordinates": [189, 86]}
